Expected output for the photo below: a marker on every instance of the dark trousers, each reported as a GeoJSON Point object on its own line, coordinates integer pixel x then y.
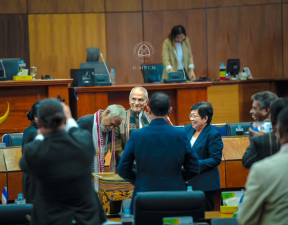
{"type": "Point", "coordinates": [209, 200]}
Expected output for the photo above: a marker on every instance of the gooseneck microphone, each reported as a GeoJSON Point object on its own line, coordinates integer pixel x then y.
{"type": "Point", "coordinates": [4, 75]}
{"type": "Point", "coordinates": [106, 66]}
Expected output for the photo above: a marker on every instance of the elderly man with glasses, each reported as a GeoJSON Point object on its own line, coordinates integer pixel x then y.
{"type": "Point", "coordinates": [136, 118]}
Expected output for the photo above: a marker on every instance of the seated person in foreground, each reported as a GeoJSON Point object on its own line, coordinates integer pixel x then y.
{"type": "Point", "coordinates": [164, 158]}
{"type": "Point", "coordinates": [266, 144]}
{"type": "Point", "coordinates": [59, 159]}
{"type": "Point", "coordinates": [266, 198]}
{"type": "Point", "coordinates": [206, 141]}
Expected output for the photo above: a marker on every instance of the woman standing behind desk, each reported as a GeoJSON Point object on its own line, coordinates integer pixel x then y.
{"type": "Point", "coordinates": [177, 55]}
{"type": "Point", "coordinates": [206, 141]}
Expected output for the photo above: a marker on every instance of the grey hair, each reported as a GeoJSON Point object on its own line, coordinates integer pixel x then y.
{"type": "Point", "coordinates": [116, 110]}
{"type": "Point", "coordinates": [265, 99]}
{"type": "Point", "coordinates": [142, 89]}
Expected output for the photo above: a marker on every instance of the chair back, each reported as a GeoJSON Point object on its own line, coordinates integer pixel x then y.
{"type": "Point", "coordinates": [151, 207]}
{"type": "Point", "coordinates": [93, 54]}
{"type": "Point", "coordinates": [152, 73]}
{"type": "Point", "coordinates": [224, 221]}
{"type": "Point", "coordinates": [12, 139]}
{"type": "Point", "coordinates": [221, 128]}
{"type": "Point", "coordinates": [13, 214]}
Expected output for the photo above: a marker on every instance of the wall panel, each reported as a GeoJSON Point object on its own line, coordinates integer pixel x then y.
{"type": "Point", "coordinates": [123, 5]}
{"type": "Point", "coordinates": [122, 37]}
{"type": "Point", "coordinates": [13, 7]}
{"type": "Point", "coordinates": [219, 3]}
{"type": "Point", "coordinates": [65, 6]}
{"type": "Point", "coordinates": [248, 33]}
{"type": "Point", "coordinates": [58, 42]}
{"type": "Point", "coordinates": [14, 42]}
{"type": "Point", "coordinates": [158, 25]}
{"type": "Point", "coordinates": [285, 40]}
{"type": "Point", "coordinates": [149, 5]}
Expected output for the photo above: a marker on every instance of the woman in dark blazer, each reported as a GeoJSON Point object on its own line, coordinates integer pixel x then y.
{"type": "Point", "coordinates": [206, 141]}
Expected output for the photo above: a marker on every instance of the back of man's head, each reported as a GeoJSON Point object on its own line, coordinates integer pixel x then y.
{"type": "Point", "coordinates": [50, 113]}
{"type": "Point", "coordinates": [159, 104]}
{"type": "Point", "coordinates": [282, 123]}
{"type": "Point", "coordinates": [265, 98]}
{"type": "Point", "coordinates": [276, 107]}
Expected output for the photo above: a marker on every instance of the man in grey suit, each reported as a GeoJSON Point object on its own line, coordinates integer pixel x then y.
{"type": "Point", "coordinates": [266, 198]}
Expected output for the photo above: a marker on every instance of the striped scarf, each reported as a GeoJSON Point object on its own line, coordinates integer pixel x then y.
{"type": "Point", "coordinates": [98, 141]}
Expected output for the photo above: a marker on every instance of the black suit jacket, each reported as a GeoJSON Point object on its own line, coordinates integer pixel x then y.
{"type": "Point", "coordinates": [29, 186]}
{"type": "Point", "coordinates": [259, 148]}
{"type": "Point", "coordinates": [61, 166]}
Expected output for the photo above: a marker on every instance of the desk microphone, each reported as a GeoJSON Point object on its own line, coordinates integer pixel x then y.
{"type": "Point", "coordinates": [4, 75]}
{"type": "Point", "coordinates": [106, 66]}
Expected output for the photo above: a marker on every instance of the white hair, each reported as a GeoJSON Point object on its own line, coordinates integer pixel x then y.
{"type": "Point", "coordinates": [116, 110]}
{"type": "Point", "coordinates": [140, 88]}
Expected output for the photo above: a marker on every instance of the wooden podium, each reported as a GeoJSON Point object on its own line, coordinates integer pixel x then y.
{"type": "Point", "coordinates": [21, 95]}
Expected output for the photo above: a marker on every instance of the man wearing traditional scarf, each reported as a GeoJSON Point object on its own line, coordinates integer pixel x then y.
{"type": "Point", "coordinates": [136, 118]}
{"type": "Point", "coordinates": [101, 125]}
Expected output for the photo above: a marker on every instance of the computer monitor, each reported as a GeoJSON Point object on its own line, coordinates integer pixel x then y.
{"type": "Point", "coordinates": [233, 67]}
{"type": "Point", "coordinates": [233, 127]}
{"type": "Point", "coordinates": [82, 77]}
{"type": "Point", "coordinates": [152, 73]}
{"type": "Point", "coordinates": [151, 207]}
{"type": "Point", "coordinates": [101, 73]}
{"type": "Point", "coordinates": [8, 68]}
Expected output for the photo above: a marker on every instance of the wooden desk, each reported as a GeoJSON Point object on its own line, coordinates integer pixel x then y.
{"type": "Point", "coordinates": [183, 96]}
{"type": "Point", "coordinates": [231, 100]}
{"type": "Point", "coordinates": [13, 174]}
{"type": "Point", "coordinates": [212, 215]}
{"type": "Point", "coordinates": [233, 151]}
{"type": "Point", "coordinates": [21, 95]}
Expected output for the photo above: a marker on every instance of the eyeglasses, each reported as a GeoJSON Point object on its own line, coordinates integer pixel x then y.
{"type": "Point", "coordinates": [191, 116]}
{"type": "Point", "coordinates": [140, 100]}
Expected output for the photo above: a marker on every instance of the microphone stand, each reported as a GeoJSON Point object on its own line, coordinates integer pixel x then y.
{"type": "Point", "coordinates": [106, 67]}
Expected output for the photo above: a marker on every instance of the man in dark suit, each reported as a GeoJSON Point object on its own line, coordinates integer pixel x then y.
{"type": "Point", "coordinates": [267, 144]}
{"type": "Point", "coordinates": [164, 158]}
{"type": "Point", "coordinates": [59, 160]}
